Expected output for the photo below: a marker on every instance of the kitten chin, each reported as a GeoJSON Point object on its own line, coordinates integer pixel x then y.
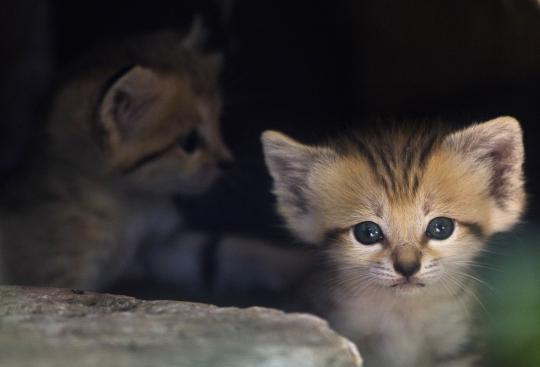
{"type": "Point", "coordinates": [399, 218]}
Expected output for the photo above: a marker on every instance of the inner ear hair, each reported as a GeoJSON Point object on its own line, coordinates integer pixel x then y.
{"type": "Point", "coordinates": [290, 164]}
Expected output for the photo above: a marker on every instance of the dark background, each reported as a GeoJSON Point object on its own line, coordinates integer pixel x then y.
{"type": "Point", "coordinates": [307, 68]}
{"type": "Point", "coordinates": [313, 69]}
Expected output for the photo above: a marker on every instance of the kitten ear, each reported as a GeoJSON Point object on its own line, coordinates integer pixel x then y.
{"type": "Point", "coordinates": [128, 101]}
{"type": "Point", "coordinates": [196, 39]}
{"type": "Point", "coordinates": [496, 146]}
{"type": "Point", "coordinates": [197, 34]}
{"type": "Point", "coordinates": [290, 164]}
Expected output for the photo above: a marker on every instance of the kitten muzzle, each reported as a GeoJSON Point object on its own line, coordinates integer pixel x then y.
{"type": "Point", "coordinates": [406, 260]}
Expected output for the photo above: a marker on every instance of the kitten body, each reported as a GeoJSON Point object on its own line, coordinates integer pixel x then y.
{"type": "Point", "coordinates": [402, 288]}
{"type": "Point", "coordinates": [136, 124]}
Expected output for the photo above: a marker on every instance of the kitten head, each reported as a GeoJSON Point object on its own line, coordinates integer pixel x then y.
{"type": "Point", "coordinates": [401, 211]}
{"type": "Point", "coordinates": [158, 125]}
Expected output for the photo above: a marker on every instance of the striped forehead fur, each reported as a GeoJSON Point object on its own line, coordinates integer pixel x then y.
{"type": "Point", "coordinates": [396, 155]}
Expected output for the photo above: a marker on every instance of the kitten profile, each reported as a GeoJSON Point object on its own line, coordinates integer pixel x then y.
{"type": "Point", "coordinates": [137, 123]}
{"type": "Point", "coordinates": [399, 219]}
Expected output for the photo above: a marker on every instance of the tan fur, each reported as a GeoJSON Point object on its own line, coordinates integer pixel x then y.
{"type": "Point", "coordinates": [101, 183]}
{"type": "Point", "coordinates": [401, 181]}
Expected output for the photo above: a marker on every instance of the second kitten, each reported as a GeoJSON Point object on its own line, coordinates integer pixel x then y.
{"type": "Point", "coordinates": [136, 124]}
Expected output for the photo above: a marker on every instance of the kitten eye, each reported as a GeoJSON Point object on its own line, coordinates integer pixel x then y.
{"type": "Point", "coordinates": [190, 142]}
{"type": "Point", "coordinates": [440, 228]}
{"type": "Point", "coordinates": [367, 233]}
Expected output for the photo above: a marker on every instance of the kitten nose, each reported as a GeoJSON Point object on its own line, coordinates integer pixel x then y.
{"type": "Point", "coordinates": [406, 260]}
{"type": "Point", "coordinates": [407, 268]}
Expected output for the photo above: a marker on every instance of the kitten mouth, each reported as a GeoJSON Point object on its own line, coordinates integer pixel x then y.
{"type": "Point", "coordinates": [408, 284]}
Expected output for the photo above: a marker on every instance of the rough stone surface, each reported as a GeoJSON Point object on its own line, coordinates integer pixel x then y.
{"type": "Point", "coordinates": [57, 327]}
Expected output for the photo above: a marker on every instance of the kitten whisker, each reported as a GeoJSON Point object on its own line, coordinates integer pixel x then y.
{"type": "Point", "coordinates": [476, 264]}
{"type": "Point", "coordinates": [473, 294]}
{"type": "Point", "coordinates": [444, 282]}
{"type": "Point", "coordinates": [480, 281]}
{"type": "Point", "coordinates": [491, 252]}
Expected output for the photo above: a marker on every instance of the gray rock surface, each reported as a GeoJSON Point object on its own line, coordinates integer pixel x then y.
{"type": "Point", "coordinates": [57, 327]}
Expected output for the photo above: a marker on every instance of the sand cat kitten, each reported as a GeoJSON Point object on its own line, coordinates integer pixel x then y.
{"type": "Point", "coordinates": [137, 124]}
{"type": "Point", "coordinates": [399, 217]}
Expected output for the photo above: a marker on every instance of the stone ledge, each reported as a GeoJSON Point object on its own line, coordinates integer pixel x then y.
{"type": "Point", "coordinates": [49, 327]}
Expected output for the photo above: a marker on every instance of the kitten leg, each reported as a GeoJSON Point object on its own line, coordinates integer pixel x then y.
{"type": "Point", "coordinates": [220, 264]}
{"type": "Point", "coordinates": [247, 263]}
{"type": "Point", "coordinates": [178, 261]}
{"type": "Point", "coordinates": [63, 245]}
{"type": "Point", "coordinates": [91, 265]}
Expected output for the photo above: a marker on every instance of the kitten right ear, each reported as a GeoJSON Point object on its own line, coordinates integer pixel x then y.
{"type": "Point", "coordinates": [496, 146]}
{"type": "Point", "coordinates": [197, 34]}
{"type": "Point", "coordinates": [290, 164]}
{"type": "Point", "coordinates": [127, 103]}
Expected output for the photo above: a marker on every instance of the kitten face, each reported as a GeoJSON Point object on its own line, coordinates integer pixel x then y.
{"type": "Point", "coordinates": [405, 213]}
{"type": "Point", "coordinates": [160, 127]}
{"type": "Point", "coordinates": [405, 257]}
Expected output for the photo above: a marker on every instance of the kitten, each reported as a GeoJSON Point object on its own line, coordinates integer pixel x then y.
{"type": "Point", "coordinates": [399, 219]}
{"type": "Point", "coordinates": [136, 124]}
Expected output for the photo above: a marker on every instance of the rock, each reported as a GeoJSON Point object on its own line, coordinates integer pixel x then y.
{"type": "Point", "coordinates": [56, 327]}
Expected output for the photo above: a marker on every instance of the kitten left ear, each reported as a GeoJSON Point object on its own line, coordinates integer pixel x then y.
{"type": "Point", "coordinates": [128, 102]}
{"type": "Point", "coordinates": [291, 164]}
{"type": "Point", "coordinates": [497, 146]}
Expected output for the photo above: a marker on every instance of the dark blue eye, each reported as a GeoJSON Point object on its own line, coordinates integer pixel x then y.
{"type": "Point", "coordinates": [368, 233]}
{"type": "Point", "coordinates": [440, 228]}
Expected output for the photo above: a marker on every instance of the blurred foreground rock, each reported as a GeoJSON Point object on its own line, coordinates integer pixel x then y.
{"type": "Point", "coordinates": [57, 327]}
